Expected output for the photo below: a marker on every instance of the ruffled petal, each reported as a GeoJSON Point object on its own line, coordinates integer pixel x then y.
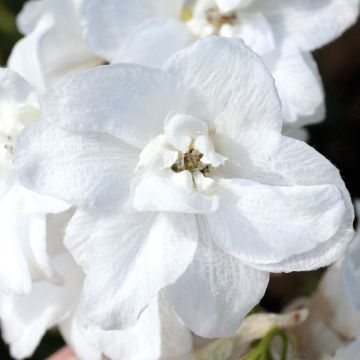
{"type": "Point", "coordinates": [83, 169]}
{"type": "Point", "coordinates": [131, 258]}
{"type": "Point", "coordinates": [237, 94]}
{"type": "Point", "coordinates": [216, 291]}
{"type": "Point", "coordinates": [128, 101]}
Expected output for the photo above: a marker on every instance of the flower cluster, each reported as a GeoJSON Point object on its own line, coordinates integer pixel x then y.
{"type": "Point", "coordinates": [148, 187]}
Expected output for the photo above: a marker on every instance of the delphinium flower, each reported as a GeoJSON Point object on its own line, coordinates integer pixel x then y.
{"type": "Point", "coordinates": [53, 45]}
{"type": "Point", "coordinates": [66, 36]}
{"type": "Point", "coordinates": [282, 32]}
{"type": "Point", "coordinates": [184, 186]}
{"type": "Point", "coordinates": [159, 333]}
{"type": "Point", "coordinates": [333, 329]}
{"type": "Point", "coordinates": [23, 213]}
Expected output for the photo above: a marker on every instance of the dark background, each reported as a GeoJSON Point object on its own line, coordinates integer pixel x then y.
{"type": "Point", "coordinates": [337, 138]}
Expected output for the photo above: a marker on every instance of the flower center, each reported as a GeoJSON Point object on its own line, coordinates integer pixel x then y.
{"type": "Point", "coordinates": [191, 161]}
{"type": "Point", "coordinates": [186, 149]}
{"type": "Point", "coordinates": [205, 18]}
{"type": "Point", "coordinates": [217, 20]}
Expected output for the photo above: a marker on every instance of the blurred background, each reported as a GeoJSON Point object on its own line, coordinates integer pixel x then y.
{"type": "Point", "coordinates": [337, 138]}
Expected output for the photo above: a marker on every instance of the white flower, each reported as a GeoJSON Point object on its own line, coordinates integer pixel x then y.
{"type": "Point", "coordinates": [53, 46]}
{"type": "Point", "coordinates": [23, 255]}
{"type": "Point", "coordinates": [282, 32]}
{"type": "Point", "coordinates": [183, 183]}
{"type": "Point", "coordinates": [334, 324]}
{"type": "Point", "coordinates": [25, 319]}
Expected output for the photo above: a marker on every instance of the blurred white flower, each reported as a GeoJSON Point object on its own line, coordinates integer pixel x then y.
{"type": "Point", "coordinates": [63, 37]}
{"type": "Point", "coordinates": [25, 319]}
{"type": "Point", "coordinates": [333, 328]}
{"type": "Point", "coordinates": [282, 32]}
{"type": "Point", "coordinates": [23, 255]}
{"type": "Point", "coordinates": [183, 182]}
{"type": "Point", "coordinates": [53, 46]}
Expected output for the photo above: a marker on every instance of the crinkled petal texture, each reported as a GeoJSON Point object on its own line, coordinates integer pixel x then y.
{"type": "Point", "coordinates": [158, 334]}
{"type": "Point", "coordinates": [85, 169]}
{"type": "Point", "coordinates": [236, 89]}
{"type": "Point", "coordinates": [216, 291]}
{"type": "Point", "coordinates": [311, 23]}
{"type": "Point", "coordinates": [25, 319]}
{"type": "Point", "coordinates": [127, 101]}
{"type": "Point", "coordinates": [310, 216]}
{"type": "Point", "coordinates": [131, 257]}
{"type": "Point", "coordinates": [53, 46]}
{"type": "Point", "coordinates": [23, 239]}
{"type": "Point", "coordinates": [107, 23]}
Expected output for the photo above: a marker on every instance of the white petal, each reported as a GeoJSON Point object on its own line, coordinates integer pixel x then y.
{"type": "Point", "coordinates": [204, 184]}
{"type": "Point", "coordinates": [76, 337]}
{"type": "Point", "coordinates": [14, 272]}
{"type": "Point", "coordinates": [107, 23]}
{"type": "Point", "coordinates": [311, 23]}
{"type": "Point", "coordinates": [24, 57]}
{"type": "Point", "coordinates": [283, 161]}
{"type": "Point", "coordinates": [339, 288]}
{"type": "Point", "coordinates": [17, 106]}
{"type": "Point", "coordinates": [347, 352]}
{"type": "Point", "coordinates": [78, 233]}
{"type": "Point", "coordinates": [299, 85]}
{"type": "Point", "coordinates": [267, 224]}
{"type": "Point", "coordinates": [153, 41]}
{"type": "Point", "coordinates": [180, 129]}
{"type": "Point", "coordinates": [158, 154]}
{"type": "Point", "coordinates": [83, 169]}
{"type": "Point", "coordinates": [127, 101]}
{"type": "Point", "coordinates": [25, 319]}
{"type": "Point", "coordinates": [158, 333]}
{"type": "Point", "coordinates": [256, 32]}
{"type": "Point", "coordinates": [236, 94]}
{"type": "Point", "coordinates": [216, 291]}
{"type": "Point", "coordinates": [204, 144]}
{"type": "Point", "coordinates": [171, 192]}
{"type": "Point", "coordinates": [230, 5]}
{"type": "Point", "coordinates": [23, 235]}
{"type": "Point", "coordinates": [54, 41]}
{"type": "Point", "coordinates": [13, 86]}
{"type": "Point", "coordinates": [131, 258]}
{"type": "Point", "coordinates": [30, 14]}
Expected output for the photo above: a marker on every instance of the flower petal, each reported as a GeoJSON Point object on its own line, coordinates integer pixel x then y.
{"type": "Point", "coordinates": [84, 169]}
{"type": "Point", "coordinates": [131, 258]}
{"type": "Point", "coordinates": [267, 224]}
{"type": "Point", "coordinates": [216, 291]}
{"type": "Point", "coordinates": [153, 41]}
{"type": "Point", "coordinates": [230, 5]}
{"type": "Point", "coordinates": [237, 94]}
{"type": "Point", "coordinates": [54, 41]}
{"type": "Point", "coordinates": [180, 129]}
{"type": "Point", "coordinates": [25, 319]}
{"type": "Point", "coordinates": [107, 23]}
{"type": "Point", "coordinates": [288, 163]}
{"type": "Point", "coordinates": [128, 101]}
{"type": "Point", "coordinates": [256, 32]}
{"type": "Point", "coordinates": [152, 192]}
{"type": "Point", "coordinates": [300, 88]}
{"type": "Point", "coordinates": [78, 233]}
{"type": "Point", "coordinates": [311, 23]}
{"type": "Point", "coordinates": [158, 333]}
{"type": "Point", "coordinates": [14, 272]}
